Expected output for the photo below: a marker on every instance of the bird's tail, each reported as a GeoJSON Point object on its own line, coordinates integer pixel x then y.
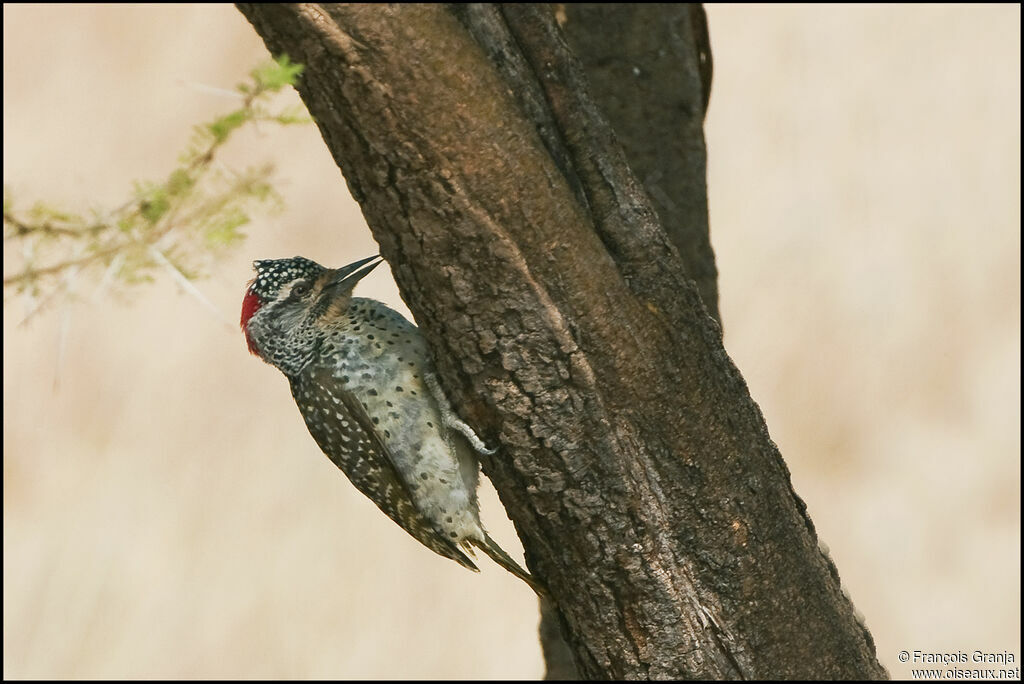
{"type": "Point", "coordinates": [498, 555]}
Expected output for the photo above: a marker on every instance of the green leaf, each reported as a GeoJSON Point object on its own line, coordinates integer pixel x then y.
{"type": "Point", "coordinates": [179, 182]}
{"type": "Point", "coordinates": [277, 74]}
{"type": "Point", "coordinates": [43, 212]}
{"type": "Point", "coordinates": [223, 231]}
{"type": "Point", "coordinates": [126, 223]}
{"type": "Point", "coordinates": [155, 206]}
{"type": "Point", "coordinates": [222, 127]}
{"type": "Point", "coordinates": [292, 115]}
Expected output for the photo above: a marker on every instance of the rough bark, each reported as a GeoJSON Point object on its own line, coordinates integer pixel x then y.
{"type": "Point", "coordinates": [649, 69]}
{"type": "Point", "coordinates": [637, 469]}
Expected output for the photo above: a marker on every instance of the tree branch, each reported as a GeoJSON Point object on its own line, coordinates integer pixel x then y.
{"type": "Point", "coordinates": [649, 70]}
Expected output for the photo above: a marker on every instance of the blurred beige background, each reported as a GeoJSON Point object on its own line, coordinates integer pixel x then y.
{"type": "Point", "coordinates": [167, 515]}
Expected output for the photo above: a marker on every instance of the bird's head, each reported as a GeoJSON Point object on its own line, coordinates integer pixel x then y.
{"type": "Point", "coordinates": [290, 304]}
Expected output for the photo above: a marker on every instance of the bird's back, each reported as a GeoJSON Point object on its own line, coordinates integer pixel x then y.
{"type": "Point", "coordinates": [372, 364]}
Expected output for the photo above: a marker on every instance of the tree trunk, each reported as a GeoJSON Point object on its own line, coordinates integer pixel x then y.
{"type": "Point", "coordinates": [637, 469]}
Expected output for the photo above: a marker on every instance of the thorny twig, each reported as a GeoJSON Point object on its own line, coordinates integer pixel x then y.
{"type": "Point", "coordinates": [165, 227]}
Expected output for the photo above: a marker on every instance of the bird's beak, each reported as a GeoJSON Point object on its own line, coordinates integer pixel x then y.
{"type": "Point", "coordinates": [344, 279]}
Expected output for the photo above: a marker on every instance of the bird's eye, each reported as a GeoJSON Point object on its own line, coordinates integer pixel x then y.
{"type": "Point", "coordinates": [300, 289]}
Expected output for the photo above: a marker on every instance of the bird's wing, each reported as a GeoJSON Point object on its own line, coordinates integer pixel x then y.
{"type": "Point", "coordinates": [342, 428]}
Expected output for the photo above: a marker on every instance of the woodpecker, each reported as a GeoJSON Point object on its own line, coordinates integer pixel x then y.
{"type": "Point", "coordinates": [362, 378]}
